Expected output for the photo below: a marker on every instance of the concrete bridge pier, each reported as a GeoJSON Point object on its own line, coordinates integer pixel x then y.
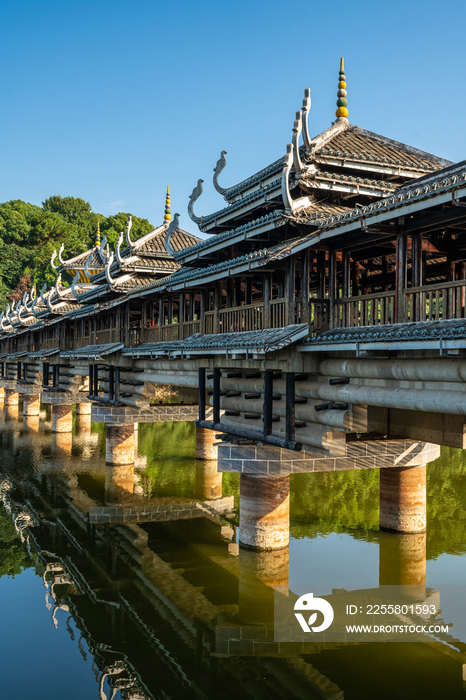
{"type": "Point", "coordinates": [259, 572]}
{"type": "Point", "coordinates": [31, 404]}
{"type": "Point", "coordinates": [208, 481]}
{"type": "Point", "coordinates": [62, 418]}
{"type": "Point", "coordinates": [11, 397]}
{"type": "Point", "coordinates": [119, 459]}
{"type": "Point", "coordinates": [83, 417]}
{"type": "Point", "coordinates": [31, 424]}
{"type": "Point", "coordinates": [205, 444]}
{"type": "Point", "coordinates": [119, 444]}
{"type": "Point", "coordinates": [402, 559]}
{"type": "Point", "coordinates": [403, 499]}
{"type": "Point", "coordinates": [264, 512]}
{"type": "Point", "coordinates": [2, 393]}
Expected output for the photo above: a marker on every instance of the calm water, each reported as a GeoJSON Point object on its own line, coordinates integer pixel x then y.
{"type": "Point", "coordinates": [173, 609]}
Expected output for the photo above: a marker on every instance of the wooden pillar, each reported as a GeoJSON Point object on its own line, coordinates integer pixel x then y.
{"type": "Point", "coordinates": [356, 272]}
{"type": "Point", "coordinates": [237, 291]}
{"type": "Point", "coordinates": [401, 270]}
{"type": "Point", "coordinates": [385, 273]}
{"type": "Point", "coordinates": [290, 292]}
{"type": "Point", "coordinates": [266, 298]}
{"type": "Point", "coordinates": [321, 265]}
{"type": "Point", "coordinates": [416, 267]}
{"type": "Point", "coordinates": [305, 286]}
{"type": "Point", "coordinates": [202, 306]}
{"type": "Point", "coordinates": [332, 286]}
{"type": "Point", "coordinates": [345, 285]}
{"type": "Point", "coordinates": [248, 290]}
{"type": "Point", "coordinates": [216, 326]}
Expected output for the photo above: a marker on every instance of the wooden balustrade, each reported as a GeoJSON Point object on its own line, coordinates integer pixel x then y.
{"type": "Point", "coordinates": [364, 310]}
{"type": "Point", "coordinates": [191, 327]}
{"type": "Point", "coordinates": [249, 317]}
{"type": "Point", "coordinates": [435, 302]}
{"type": "Point", "coordinates": [277, 313]}
{"type": "Point", "coordinates": [318, 315]}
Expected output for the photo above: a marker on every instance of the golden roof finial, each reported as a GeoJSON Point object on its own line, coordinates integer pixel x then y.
{"type": "Point", "coordinates": [97, 237]}
{"type": "Point", "coordinates": [342, 102]}
{"type": "Point", "coordinates": [168, 211]}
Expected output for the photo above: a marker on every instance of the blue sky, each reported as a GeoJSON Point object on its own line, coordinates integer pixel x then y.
{"type": "Point", "coordinates": [112, 101]}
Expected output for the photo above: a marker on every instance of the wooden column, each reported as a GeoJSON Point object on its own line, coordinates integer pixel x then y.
{"type": "Point", "coordinates": [305, 286]}
{"type": "Point", "coordinates": [290, 292]}
{"type": "Point", "coordinates": [416, 267]}
{"type": "Point", "coordinates": [248, 290]}
{"type": "Point", "coordinates": [216, 327]}
{"type": "Point", "coordinates": [385, 273]}
{"type": "Point", "coordinates": [238, 294]}
{"type": "Point", "coordinates": [266, 297]}
{"type": "Point", "coordinates": [321, 265]}
{"type": "Point", "coordinates": [332, 286]}
{"type": "Point", "coordinates": [346, 282]}
{"type": "Point", "coordinates": [202, 306]}
{"type": "Point", "coordinates": [401, 273]}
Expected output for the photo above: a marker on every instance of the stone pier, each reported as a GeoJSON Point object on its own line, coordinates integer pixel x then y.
{"type": "Point", "coordinates": [119, 484]}
{"type": "Point", "coordinates": [402, 559]}
{"type": "Point", "coordinates": [31, 424]}
{"type": "Point", "coordinates": [403, 499]}
{"type": "Point", "coordinates": [264, 512]}
{"type": "Point", "coordinates": [119, 444]}
{"type": "Point", "coordinates": [205, 448]}
{"type": "Point", "coordinates": [62, 418]}
{"type": "Point", "coordinates": [259, 572]}
{"type": "Point", "coordinates": [62, 442]}
{"type": "Point", "coordinates": [83, 417]}
{"type": "Point", "coordinates": [31, 404]}
{"type": "Point", "coordinates": [208, 481]}
{"type": "Point", "coordinates": [11, 397]}
{"type": "Point", "coordinates": [2, 393]}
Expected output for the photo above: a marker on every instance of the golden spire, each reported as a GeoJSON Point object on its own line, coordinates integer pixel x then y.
{"type": "Point", "coordinates": [342, 102]}
{"type": "Point", "coordinates": [97, 238]}
{"type": "Point", "coordinates": [168, 211]}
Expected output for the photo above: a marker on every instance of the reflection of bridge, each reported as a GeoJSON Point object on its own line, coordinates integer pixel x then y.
{"type": "Point", "coordinates": [328, 307]}
{"type": "Point", "coordinates": [219, 605]}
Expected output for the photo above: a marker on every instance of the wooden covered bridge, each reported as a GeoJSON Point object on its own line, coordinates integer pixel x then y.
{"type": "Point", "coordinates": [324, 315]}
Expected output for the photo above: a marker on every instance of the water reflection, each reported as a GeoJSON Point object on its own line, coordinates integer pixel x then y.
{"type": "Point", "coordinates": [143, 573]}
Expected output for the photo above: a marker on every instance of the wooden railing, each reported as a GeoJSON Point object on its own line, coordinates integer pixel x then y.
{"type": "Point", "coordinates": [277, 313]}
{"type": "Point", "coordinates": [249, 317]}
{"type": "Point", "coordinates": [436, 302]}
{"type": "Point", "coordinates": [191, 327]}
{"type": "Point", "coordinates": [364, 310]}
{"type": "Point", "coordinates": [318, 315]}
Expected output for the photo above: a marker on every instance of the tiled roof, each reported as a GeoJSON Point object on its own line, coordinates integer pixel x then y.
{"type": "Point", "coordinates": [430, 330]}
{"type": "Point", "coordinates": [204, 245]}
{"type": "Point", "coordinates": [81, 260]}
{"type": "Point", "coordinates": [260, 341]}
{"type": "Point", "coordinates": [416, 190]}
{"type": "Point", "coordinates": [239, 203]}
{"type": "Point", "coordinates": [359, 144]}
{"type": "Point", "coordinates": [92, 351]}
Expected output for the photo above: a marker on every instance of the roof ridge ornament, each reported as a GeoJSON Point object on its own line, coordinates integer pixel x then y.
{"type": "Point", "coordinates": [297, 129]}
{"type": "Point", "coordinates": [342, 102]}
{"type": "Point", "coordinates": [73, 286]}
{"type": "Point", "coordinates": [86, 266]}
{"type": "Point", "coordinates": [52, 260]}
{"type": "Point", "coordinates": [41, 293]}
{"type": "Point", "coordinates": [129, 223]}
{"type": "Point", "coordinates": [171, 230]}
{"type": "Point", "coordinates": [108, 276]}
{"type": "Point", "coordinates": [287, 162]}
{"type": "Point", "coordinates": [306, 108]}
{"type": "Point", "coordinates": [97, 235]}
{"type": "Point", "coordinates": [168, 212]}
{"type": "Point", "coordinates": [57, 282]}
{"type": "Point", "coordinates": [117, 249]}
{"type": "Point", "coordinates": [222, 161]}
{"type": "Point", "coordinates": [62, 248]}
{"type": "Point", "coordinates": [18, 313]}
{"type": "Point", "coordinates": [193, 197]}
{"type": "Point", "coordinates": [103, 254]}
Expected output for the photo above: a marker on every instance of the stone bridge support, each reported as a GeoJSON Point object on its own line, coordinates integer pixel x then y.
{"type": "Point", "coordinates": [205, 444]}
{"type": "Point", "coordinates": [31, 404]}
{"type": "Point", "coordinates": [83, 417]}
{"type": "Point", "coordinates": [11, 397]}
{"type": "Point", "coordinates": [403, 499]}
{"type": "Point", "coordinates": [62, 418]}
{"type": "Point", "coordinates": [119, 444]}
{"type": "Point", "coordinates": [208, 481]}
{"type": "Point", "coordinates": [264, 512]}
{"type": "Point", "coordinates": [31, 424]}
